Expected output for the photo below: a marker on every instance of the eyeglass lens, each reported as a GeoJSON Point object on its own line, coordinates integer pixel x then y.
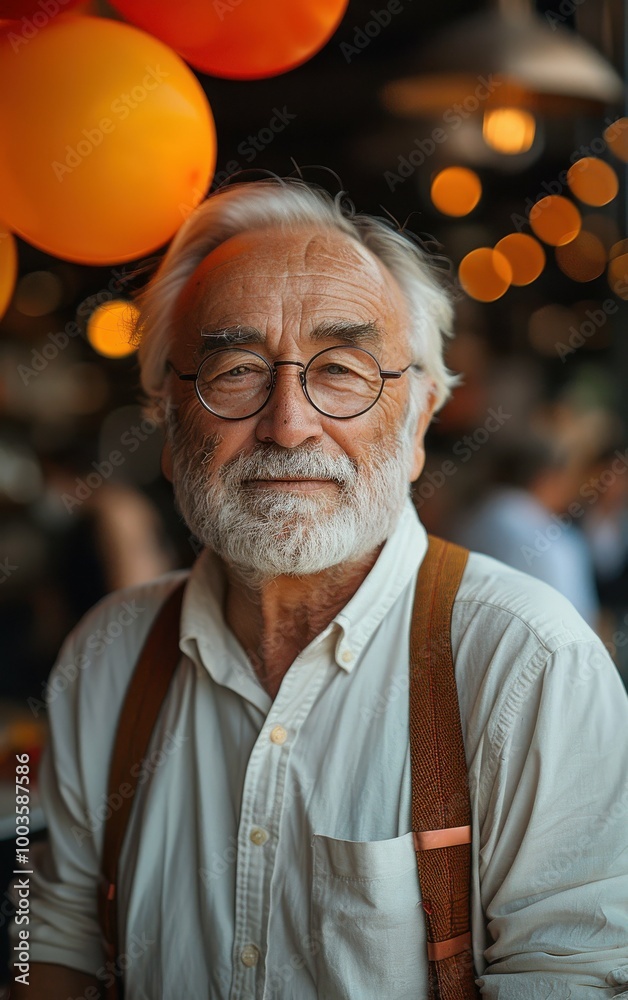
{"type": "Point", "coordinates": [340, 381]}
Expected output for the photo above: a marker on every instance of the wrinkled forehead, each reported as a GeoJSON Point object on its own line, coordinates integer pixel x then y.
{"type": "Point", "coordinates": [312, 269]}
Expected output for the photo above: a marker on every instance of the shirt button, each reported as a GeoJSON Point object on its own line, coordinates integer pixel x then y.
{"type": "Point", "coordinates": [258, 836]}
{"type": "Point", "coordinates": [278, 735]}
{"type": "Point", "coordinates": [347, 656]}
{"type": "Point", "coordinates": [249, 955]}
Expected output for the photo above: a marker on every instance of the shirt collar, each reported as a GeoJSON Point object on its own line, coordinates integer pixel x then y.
{"type": "Point", "coordinates": [398, 564]}
{"type": "Point", "coordinates": [205, 637]}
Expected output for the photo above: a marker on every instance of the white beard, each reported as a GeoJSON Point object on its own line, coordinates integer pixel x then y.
{"type": "Point", "coordinates": [265, 533]}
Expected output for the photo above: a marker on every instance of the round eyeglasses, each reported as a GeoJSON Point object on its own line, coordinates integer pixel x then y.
{"type": "Point", "coordinates": [342, 382]}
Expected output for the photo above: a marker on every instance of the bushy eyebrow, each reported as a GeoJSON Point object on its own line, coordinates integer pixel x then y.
{"type": "Point", "coordinates": [350, 333]}
{"type": "Point", "coordinates": [345, 331]}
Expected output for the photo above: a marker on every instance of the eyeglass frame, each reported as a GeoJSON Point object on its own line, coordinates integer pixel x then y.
{"type": "Point", "coordinates": [274, 365]}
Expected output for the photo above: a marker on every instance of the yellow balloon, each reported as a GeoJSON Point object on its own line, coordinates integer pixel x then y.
{"type": "Point", "coordinates": [107, 141]}
{"type": "Point", "coordinates": [8, 268]}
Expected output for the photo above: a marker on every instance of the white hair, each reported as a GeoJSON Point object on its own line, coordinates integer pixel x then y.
{"type": "Point", "coordinates": [289, 203]}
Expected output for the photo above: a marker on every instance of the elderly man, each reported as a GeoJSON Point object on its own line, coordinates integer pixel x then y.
{"type": "Point", "coordinates": [296, 349]}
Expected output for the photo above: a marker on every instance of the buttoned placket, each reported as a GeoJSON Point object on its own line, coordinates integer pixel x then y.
{"type": "Point", "coordinates": [263, 799]}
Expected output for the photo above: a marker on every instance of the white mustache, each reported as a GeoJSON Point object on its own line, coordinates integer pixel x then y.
{"type": "Point", "coordinates": [305, 463]}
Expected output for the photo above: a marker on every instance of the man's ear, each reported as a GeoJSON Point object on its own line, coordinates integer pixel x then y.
{"type": "Point", "coordinates": [423, 423]}
{"type": "Point", "coordinates": [166, 461]}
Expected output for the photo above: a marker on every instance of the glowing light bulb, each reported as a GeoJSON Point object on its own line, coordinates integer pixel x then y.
{"type": "Point", "coordinates": [508, 130]}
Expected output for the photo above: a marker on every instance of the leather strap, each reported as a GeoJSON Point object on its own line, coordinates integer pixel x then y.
{"type": "Point", "coordinates": [145, 696]}
{"type": "Point", "coordinates": [441, 812]}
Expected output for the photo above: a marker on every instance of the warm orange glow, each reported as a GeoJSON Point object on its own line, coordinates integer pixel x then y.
{"type": "Point", "coordinates": [583, 259]}
{"type": "Point", "coordinates": [549, 326]}
{"type": "Point", "coordinates": [593, 181]}
{"type": "Point", "coordinates": [485, 274]}
{"type": "Point", "coordinates": [616, 135]}
{"type": "Point", "coordinates": [109, 328]}
{"type": "Point", "coordinates": [456, 191]}
{"type": "Point", "coordinates": [8, 268]}
{"type": "Point", "coordinates": [509, 130]}
{"type": "Point", "coordinates": [525, 255]}
{"type": "Point", "coordinates": [617, 275]}
{"type": "Point", "coordinates": [555, 220]}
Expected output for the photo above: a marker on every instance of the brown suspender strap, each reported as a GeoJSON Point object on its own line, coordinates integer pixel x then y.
{"type": "Point", "coordinates": [441, 812]}
{"type": "Point", "coordinates": [145, 696]}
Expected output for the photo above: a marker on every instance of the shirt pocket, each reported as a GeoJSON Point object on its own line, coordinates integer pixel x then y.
{"type": "Point", "coordinates": [367, 920]}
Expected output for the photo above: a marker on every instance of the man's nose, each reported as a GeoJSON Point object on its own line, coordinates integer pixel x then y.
{"type": "Point", "coordinates": [288, 419]}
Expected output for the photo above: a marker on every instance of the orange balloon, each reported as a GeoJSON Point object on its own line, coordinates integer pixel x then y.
{"type": "Point", "coordinates": [107, 140]}
{"type": "Point", "coordinates": [8, 268]}
{"type": "Point", "coordinates": [239, 39]}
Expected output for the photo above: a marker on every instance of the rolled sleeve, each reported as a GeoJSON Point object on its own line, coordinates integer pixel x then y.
{"type": "Point", "coordinates": [554, 836]}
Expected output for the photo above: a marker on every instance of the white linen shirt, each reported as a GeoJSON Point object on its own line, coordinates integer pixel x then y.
{"type": "Point", "coordinates": [269, 852]}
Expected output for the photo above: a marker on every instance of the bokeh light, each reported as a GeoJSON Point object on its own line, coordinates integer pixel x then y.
{"type": "Point", "coordinates": [617, 249]}
{"type": "Point", "coordinates": [485, 274]}
{"type": "Point", "coordinates": [110, 327]}
{"type": "Point", "coordinates": [593, 181]}
{"type": "Point", "coordinates": [509, 130]}
{"type": "Point", "coordinates": [584, 259]}
{"type": "Point", "coordinates": [602, 226]}
{"type": "Point", "coordinates": [616, 135]}
{"type": "Point", "coordinates": [549, 326]}
{"type": "Point", "coordinates": [555, 220]}
{"type": "Point", "coordinates": [456, 191]}
{"type": "Point", "coordinates": [38, 293]}
{"type": "Point", "coordinates": [617, 275]}
{"type": "Point", "coordinates": [525, 255]}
